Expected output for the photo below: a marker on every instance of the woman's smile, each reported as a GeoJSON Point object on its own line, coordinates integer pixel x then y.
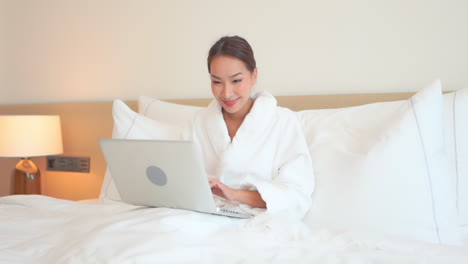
{"type": "Point", "coordinates": [231, 102]}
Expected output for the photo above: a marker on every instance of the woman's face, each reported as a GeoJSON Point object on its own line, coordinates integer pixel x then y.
{"type": "Point", "coordinates": [231, 84]}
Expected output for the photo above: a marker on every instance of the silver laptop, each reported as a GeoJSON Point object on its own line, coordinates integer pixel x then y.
{"type": "Point", "coordinates": [162, 173]}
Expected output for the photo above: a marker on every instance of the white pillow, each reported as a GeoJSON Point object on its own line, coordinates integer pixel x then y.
{"type": "Point", "coordinates": [131, 125]}
{"type": "Point", "coordinates": [170, 113]}
{"type": "Point", "coordinates": [456, 134]}
{"type": "Point", "coordinates": [382, 168]}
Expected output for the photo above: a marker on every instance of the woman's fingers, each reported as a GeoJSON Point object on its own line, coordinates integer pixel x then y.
{"type": "Point", "coordinates": [213, 182]}
{"type": "Point", "coordinates": [217, 187]}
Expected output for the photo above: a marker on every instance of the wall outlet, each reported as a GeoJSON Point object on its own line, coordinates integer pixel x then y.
{"type": "Point", "coordinates": [68, 164]}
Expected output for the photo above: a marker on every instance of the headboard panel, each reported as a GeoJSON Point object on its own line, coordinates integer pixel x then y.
{"type": "Point", "coordinates": [302, 102]}
{"type": "Point", "coordinates": [84, 123]}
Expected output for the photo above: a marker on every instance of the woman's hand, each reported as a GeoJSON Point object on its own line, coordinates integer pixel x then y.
{"type": "Point", "coordinates": [252, 198]}
{"type": "Point", "coordinates": [221, 190]}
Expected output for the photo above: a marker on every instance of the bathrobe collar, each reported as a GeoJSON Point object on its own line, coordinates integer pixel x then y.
{"type": "Point", "coordinates": [253, 127]}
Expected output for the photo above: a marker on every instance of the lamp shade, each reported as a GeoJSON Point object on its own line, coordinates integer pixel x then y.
{"type": "Point", "coordinates": [30, 135]}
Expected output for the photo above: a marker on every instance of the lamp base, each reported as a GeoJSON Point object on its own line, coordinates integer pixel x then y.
{"type": "Point", "coordinates": [27, 177]}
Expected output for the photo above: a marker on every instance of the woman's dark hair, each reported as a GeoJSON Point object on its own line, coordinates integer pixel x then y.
{"type": "Point", "coordinates": [236, 47]}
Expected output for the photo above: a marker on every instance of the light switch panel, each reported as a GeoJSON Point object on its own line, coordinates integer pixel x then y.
{"type": "Point", "coordinates": [68, 164]}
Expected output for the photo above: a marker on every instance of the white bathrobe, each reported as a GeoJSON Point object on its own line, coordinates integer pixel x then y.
{"type": "Point", "coordinates": [268, 154]}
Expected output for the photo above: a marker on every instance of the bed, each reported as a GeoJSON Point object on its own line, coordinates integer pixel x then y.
{"type": "Point", "coordinates": [391, 187]}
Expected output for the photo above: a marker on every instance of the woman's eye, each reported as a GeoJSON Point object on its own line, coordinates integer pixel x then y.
{"type": "Point", "coordinates": [238, 80]}
{"type": "Point", "coordinates": [215, 82]}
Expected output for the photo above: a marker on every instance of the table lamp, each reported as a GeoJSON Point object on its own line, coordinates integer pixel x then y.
{"type": "Point", "coordinates": [28, 136]}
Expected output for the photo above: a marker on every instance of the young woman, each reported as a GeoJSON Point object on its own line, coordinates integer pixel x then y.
{"type": "Point", "coordinates": [254, 152]}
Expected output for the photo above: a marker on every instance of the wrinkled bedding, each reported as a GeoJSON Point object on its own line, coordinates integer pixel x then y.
{"type": "Point", "coordinates": [41, 229]}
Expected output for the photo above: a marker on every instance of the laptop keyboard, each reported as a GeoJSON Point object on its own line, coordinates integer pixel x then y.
{"type": "Point", "coordinates": [230, 211]}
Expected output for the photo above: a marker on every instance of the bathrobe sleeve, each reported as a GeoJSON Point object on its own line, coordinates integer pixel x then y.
{"type": "Point", "coordinates": [289, 191]}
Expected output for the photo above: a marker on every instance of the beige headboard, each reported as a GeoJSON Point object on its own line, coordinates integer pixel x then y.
{"type": "Point", "coordinates": [84, 123]}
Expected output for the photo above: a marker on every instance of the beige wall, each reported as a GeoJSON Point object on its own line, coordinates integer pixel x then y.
{"type": "Point", "coordinates": [87, 50]}
{"type": "Point", "coordinates": [63, 50]}
{"type": "Point", "coordinates": [2, 49]}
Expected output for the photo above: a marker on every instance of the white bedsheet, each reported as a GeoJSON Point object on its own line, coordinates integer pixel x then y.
{"type": "Point", "coordinates": [40, 229]}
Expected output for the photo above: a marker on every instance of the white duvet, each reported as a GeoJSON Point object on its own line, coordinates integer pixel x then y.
{"type": "Point", "coordinates": [40, 229]}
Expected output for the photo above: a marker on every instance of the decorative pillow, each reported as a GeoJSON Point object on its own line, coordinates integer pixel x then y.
{"type": "Point", "coordinates": [131, 125]}
{"type": "Point", "coordinates": [456, 131]}
{"type": "Point", "coordinates": [382, 168]}
{"type": "Point", "coordinates": [174, 114]}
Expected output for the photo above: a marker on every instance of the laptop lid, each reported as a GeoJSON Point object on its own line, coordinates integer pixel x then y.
{"type": "Point", "coordinates": [159, 173]}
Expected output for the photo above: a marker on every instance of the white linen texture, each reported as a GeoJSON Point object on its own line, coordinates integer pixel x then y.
{"type": "Point", "coordinates": [168, 113]}
{"type": "Point", "coordinates": [456, 136]}
{"type": "Point", "coordinates": [383, 168]}
{"type": "Point", "coordinates": [40, 229]}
